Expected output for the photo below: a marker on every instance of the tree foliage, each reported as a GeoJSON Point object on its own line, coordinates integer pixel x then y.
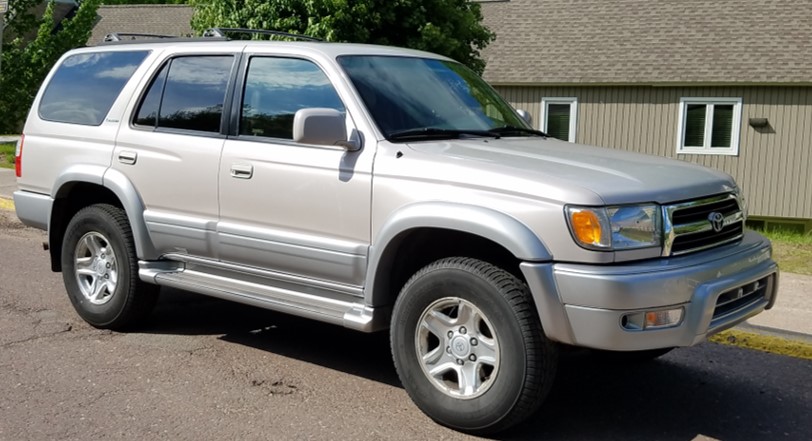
{"type": "Point", "coordinates": [449, 27]}
{"type": "Point", "coordinates": [144, 2]}
{"type": "Point", "coordinates": [31, 45]}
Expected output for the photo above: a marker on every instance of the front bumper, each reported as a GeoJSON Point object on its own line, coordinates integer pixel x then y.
{"type": "Point", "coordinates": [584, 305]}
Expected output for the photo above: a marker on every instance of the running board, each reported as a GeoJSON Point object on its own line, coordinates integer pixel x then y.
{"type": "Point", "coordinates": [325, 308]}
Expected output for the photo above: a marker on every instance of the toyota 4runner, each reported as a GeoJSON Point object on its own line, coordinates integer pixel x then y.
{"type": "Point", "coordinates": [377, 188]}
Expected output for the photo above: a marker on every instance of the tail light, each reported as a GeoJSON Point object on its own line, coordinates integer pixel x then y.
{"type": "Point", "coordinates": [18, 157]}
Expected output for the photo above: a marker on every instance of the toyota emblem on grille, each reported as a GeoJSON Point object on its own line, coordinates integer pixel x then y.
{"type": "Point", "coordinates": [717, 221]}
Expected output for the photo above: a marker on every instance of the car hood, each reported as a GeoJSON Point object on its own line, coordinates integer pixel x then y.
{"type": "Point", "coordinates": [571, 172]}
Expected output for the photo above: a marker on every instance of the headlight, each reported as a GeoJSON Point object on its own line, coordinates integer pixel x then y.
{"type": "Point", "coordinates": [616, 228]}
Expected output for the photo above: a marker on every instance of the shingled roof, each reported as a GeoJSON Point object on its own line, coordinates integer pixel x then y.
{"type": "Point", "coordinates": [649, 42]}
{"type": "Point", "coordinates": [143, 19]}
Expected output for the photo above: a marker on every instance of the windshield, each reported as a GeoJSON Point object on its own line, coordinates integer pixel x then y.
{"type": "Point", "coordinates": [414, 95]}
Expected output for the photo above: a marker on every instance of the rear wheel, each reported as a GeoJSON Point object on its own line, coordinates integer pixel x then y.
{"type": "Point", "coordinates": [469, 348]}
{"type": "Point", "coordinates": [100, 269]}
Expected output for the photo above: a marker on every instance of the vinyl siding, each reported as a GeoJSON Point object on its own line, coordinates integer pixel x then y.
{"type": "Point", "coordinates": [773, 167]}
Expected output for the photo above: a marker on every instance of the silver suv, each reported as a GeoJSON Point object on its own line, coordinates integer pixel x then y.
{"type": "Point", "coordinates": [377, 188]}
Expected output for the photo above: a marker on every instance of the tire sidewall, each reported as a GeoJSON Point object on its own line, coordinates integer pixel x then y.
{"type": "Point", "coordinates": [95, 219]}
{"type": "Point", "coordinates": [497, 402]}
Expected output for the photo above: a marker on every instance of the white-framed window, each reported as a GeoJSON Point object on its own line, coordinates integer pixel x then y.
{"type": "Point", "coordinates": [559, 117]}
{"type": "Point", "coordinates": [709, 126]}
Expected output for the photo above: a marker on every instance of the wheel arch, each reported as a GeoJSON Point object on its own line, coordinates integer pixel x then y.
{"type": "Point", "coordinates": [84, 185]}
{"type": "Point", "coordinates": [421, 233]}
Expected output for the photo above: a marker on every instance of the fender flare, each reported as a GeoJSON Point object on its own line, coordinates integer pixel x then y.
{"type": "Point", "coordinates": [117, 183]}
{"type": "Point", "coordinates": [487, 223]}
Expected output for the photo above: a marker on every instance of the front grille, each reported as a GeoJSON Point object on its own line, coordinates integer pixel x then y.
{"type": "Point", "coordinates": [739, 298]}
{"type": "Point", "coordinates": [695, 225]}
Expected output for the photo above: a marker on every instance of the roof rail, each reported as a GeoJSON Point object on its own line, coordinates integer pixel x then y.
{"type": "Point", "coordinates": [221, 32]}
{"type": "Point", "coordinates": [120, 36]}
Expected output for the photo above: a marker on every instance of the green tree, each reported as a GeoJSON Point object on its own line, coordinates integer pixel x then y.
{"type": "Point", "coordinates": [449, 27]}
{"type": "Point", "coordinates": [144, 2]}
{"type": "Point", "coordinates": [31, 46]}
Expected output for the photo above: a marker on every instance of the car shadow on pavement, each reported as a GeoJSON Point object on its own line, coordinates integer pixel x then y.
{"type": "Point", "coordinates": [330, 346]}
{"type": "Point", "coordinates": [714, 391]}
{"type": "Point", "coordinates": [710, 390]}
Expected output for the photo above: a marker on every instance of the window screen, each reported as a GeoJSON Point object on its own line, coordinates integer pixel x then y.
{"type": "Point", "coordinates": [695, 125]}
{"type": "Point", "coordinates": [559, 116]}
{"type": "Point", "coordinates": [722, 125]}
{"type": "Point", "coordinates": [558, 121]}
{"type": "Point", "coordinates": [710, 125]}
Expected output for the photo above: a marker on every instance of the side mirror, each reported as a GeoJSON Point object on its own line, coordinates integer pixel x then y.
{"type": "Point", "coordinates": [525, 116]}
{"type": "Point", "coordinates": [322, 126]}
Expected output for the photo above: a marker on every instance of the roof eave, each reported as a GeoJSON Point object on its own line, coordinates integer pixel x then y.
{"type": "Point", "coordinates": [653, 84]}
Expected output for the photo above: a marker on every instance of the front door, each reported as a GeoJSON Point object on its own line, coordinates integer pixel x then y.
{"type": "Point", "coordinates": [294, 209]}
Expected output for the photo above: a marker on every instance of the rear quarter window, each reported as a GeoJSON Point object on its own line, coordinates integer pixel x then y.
{"type": "Point", "coordinates": [84, 86]}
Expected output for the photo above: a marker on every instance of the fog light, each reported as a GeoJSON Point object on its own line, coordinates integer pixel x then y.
{"type": "Point", "coordinates": [646, 320]}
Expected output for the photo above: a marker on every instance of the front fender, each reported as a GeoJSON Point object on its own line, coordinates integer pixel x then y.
{"type": "Point", "coordinates": [490, 224]}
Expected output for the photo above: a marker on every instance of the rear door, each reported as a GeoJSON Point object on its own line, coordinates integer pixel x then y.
{"type": "Point", "coordinates": [170, 150]}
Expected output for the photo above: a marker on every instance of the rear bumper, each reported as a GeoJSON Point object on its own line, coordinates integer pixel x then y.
{"type": "Point", "coordinates": [585, 305]}
{"type": "Point", "coordinates": [33, 209]}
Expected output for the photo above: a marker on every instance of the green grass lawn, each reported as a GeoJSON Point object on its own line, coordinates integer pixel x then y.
{"type": "Point", "coordinates": [7, 154]}
{"type": "Point", "coordinates": [792, 250]}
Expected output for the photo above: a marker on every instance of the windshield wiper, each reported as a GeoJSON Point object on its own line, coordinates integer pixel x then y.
{"type": "Point", "coordinates": [438, 133]}
{"type": "Point", "coordinates": [513, 130]}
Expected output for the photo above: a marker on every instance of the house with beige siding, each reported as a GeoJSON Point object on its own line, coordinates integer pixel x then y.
{"type": "Point", "coordinates": [724, 83]}
{"type": "Point", "coordinates": [169, 20]}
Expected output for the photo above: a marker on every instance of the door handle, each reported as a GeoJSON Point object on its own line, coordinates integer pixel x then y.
{"type": "Point", "coordinates": [127, 157]}
{"type": "Point", "coordinates": [242, 171]}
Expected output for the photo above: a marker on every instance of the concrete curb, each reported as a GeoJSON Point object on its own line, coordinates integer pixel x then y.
{"type": "Point", "coordinates": [766, 343]}
{"type": "Point", "coordinates": [6, 204]}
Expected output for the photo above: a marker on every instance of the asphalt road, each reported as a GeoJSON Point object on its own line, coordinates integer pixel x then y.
{"type": "Point", "coordinates": [204, 369]}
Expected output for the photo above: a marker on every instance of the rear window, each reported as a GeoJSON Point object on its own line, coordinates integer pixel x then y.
{"type": "Point", "coordinates": [85, 86]}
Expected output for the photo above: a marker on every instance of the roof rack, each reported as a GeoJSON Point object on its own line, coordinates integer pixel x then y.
{"type": "Point", "coordinates": [120, 36]}
{"type": "Point", "coordinates": [221, 32]}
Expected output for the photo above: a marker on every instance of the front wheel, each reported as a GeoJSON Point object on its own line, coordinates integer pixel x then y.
{"type": "Point", "coordinates": [468, 346]}
{"type": "Point", "coordinates": [100, 269]}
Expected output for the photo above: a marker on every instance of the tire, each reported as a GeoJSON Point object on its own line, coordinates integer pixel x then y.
{"type": "Point", "coordinates": [100, 269]}
{"type": "Point", "coordinates": [506, 364]}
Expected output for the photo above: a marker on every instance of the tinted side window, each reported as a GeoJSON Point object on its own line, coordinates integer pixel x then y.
{"type": "Point", "coordinates": [193, 94]}
{"type": "Point", "coordinates": [148, 109]}
{"type": "Point", "coordinates": [84, 87]}
{"type": "Point", "coordinates": [275, 88]}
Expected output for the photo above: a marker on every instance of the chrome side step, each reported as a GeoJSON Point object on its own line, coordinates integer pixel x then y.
{"type": "Point", "coordinates": [307, 301]}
